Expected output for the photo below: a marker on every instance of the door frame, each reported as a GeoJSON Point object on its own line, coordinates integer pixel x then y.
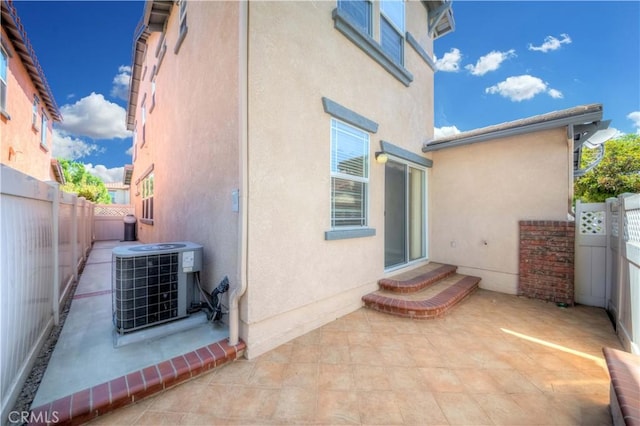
{"type": "Point", "coordinates": [425, 206]}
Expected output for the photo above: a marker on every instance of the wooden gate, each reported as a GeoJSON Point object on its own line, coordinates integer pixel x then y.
{"type": "Point", "coordinates": [591, 277]}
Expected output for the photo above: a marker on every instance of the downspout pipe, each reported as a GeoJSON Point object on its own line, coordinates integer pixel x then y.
{"type": "Point", "coordinates": [238, 290]}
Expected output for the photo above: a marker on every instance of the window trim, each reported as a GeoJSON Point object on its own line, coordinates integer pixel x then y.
{"type": "Point", "coordinates": [183, 28]}
{"type": "Point", "coordinates": [34, 113]}
{"type": "Point", "coordinates": [43, 135]}
{"type": "Point", "coordinates": [3, 108]}
{"type": "Point", "coordinates": [370, 46]}
{"type": "Point", "coordinates": [144, 181]}
{"type": "Point", "coordinates": [356, 120]}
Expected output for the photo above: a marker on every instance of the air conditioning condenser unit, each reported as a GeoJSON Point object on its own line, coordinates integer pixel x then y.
{"type": "Point", "coordinates": [153, 283]}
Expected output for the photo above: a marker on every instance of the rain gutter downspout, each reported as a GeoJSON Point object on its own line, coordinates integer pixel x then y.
{"type": "Point", "coordinates": [238, 291]}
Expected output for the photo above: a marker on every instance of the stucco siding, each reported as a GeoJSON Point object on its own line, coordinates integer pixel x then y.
{"type": "Point", "coordinates": [21, 142]}
{"type": "Point", "coordinates": [297, 280]}
{"type": "Point", "coordinates": [479, 192]}
{"type": "Point", "coordinates": [191, 137]}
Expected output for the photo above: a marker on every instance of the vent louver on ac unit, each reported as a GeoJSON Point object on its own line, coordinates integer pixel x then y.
{"type": "Point", "coordinates": [153, 283]}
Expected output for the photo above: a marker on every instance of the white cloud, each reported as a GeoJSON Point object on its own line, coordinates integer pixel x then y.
{"type": "Point", "coordinates": [555, 94]}
{"type": "Point", "coordinates": [490, 62]}
{"type": "Point", "coordinates": [95, 117]}
{"type": "Point", "coordinates": [450, 62]}
{"type": "Point", "coordinates": [71, 148]}
{"type": "Point", "coordinates": [440, 132]}
{"type": "Point", "coordinates": [107, 175]}
{"type": "Point", "coordinates": [522, 87]}
{"type": "Point", "coordinates": [129, 151]}
{"type": "Point", "coordinates": [635, 117]}
{"type": "Point", "coordinates": [121, 82]}
{"type": "Point", "coordinates": [551, 43]}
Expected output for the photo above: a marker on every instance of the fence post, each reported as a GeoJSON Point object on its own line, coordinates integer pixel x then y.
{"type": "Point", "coordinates": [74, 236]}
{"type": "Point", "coordinates": [632, 246]}
{"type": "Point", "coordinates": [55, 246]}
{"type": "Point", "coordinates": [620, 259]}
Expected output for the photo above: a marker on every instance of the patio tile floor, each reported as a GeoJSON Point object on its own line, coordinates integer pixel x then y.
{"type": "Point", "coordinates": [495, 359]}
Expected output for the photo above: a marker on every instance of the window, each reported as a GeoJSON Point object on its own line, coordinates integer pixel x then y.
{"type": "Point", "coordinates": [3, 79]}
{"type": "Point", "coordinates": [359, 11]}
{"type": "Point", "coordinates": [147, 199]}
{"type": "Point", "coordinates": [143, 117]}
{"type": "Point", "coordinates": [183, 17]}
{"type": "Point", "coordinates": [43, 132]}
{"type": "Point", "coordinates": [378, 28]}
{"type": "Point", "coordinates": [34, 113]}
{"type": "Point", "coordinates": [392, 29]}
{"type": "Point", "coordinates": [183, 25]}
{"type": "Point", "coordinates": [153, 94]}
{"type": "Point", "coordinates": [349, 175]}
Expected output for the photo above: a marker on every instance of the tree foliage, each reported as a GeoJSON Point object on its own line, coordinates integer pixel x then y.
{"type": "Point", "coordinates": [83, 183]}
{"type": "Point", "coordinates": [617, 173]}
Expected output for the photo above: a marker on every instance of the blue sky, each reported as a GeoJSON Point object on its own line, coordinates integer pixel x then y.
{"type": "Point", "coordinates": [505, 61]}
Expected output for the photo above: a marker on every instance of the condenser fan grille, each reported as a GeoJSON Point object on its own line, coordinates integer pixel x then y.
{"type": "Point", "coordinates": [146, 290]}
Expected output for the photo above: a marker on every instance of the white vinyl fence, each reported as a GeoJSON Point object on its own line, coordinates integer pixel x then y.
{"type": "Point", "coordinates": [623, 264]}
{"type": "Point", "coordinates": [109, 221]}
{"type": "Point", "coordinates": [46, 236]}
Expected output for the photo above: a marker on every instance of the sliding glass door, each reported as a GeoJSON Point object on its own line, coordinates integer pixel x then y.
{"type": "Point", "coordinates": [405, 214]}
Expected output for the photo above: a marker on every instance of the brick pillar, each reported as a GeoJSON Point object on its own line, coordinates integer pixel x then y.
{"type": "Point", "coordinates": [547, 257]}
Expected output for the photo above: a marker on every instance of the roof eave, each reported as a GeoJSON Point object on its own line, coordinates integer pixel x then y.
{"type": "Point", "coordinates": [22, 46]}
{"type": "Point", "coordinates": [572, 116]}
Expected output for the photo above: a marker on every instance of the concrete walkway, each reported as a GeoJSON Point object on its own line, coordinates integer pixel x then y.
{"type": "Point", "coordinates": [85, 355]}
{"type": "Point", "coordinates": [495, 359]}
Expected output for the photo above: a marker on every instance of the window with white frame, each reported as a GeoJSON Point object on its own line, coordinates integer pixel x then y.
{"type": "Point", "coordinates": [143, 118]}
{"type": "Point", "coordinates": [4, 62]}
{"type": "Point", "coordinates": [147, 198]}
{"type": "Point", "coordinates": [34, 112]}
{"type": "Point", "coordinates": [182, 18]}
{"type": "Point", "coordinates": [153, 94]}
{"type": "Point", "coordinates": [349, 175]}
{"type": "Point", "coordinates": [43, 130]}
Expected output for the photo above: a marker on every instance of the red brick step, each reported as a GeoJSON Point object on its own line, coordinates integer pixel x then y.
{"type": "Point", "coordinates": [431, 300]}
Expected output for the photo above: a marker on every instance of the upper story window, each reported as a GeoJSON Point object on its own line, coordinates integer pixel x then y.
{"type": "Point", "coordinates": [143, 118]}
{"type": "Point", "coordinates": [359, 11]}
{"type": "Point", "coordinates": [4, 59]}
{"type": "Point", "coordinates": [183, 24]}
{"type": "Point", "coordinates": [43, 132]}
{"type": "Point", "coordinates": [349, 175]}
{"type": "Point", "coordinates": [392, 29]}
{"type": "Point", "coordinates": [378, 28]}
{"type": "Point", "coordinates": [388, 28]}
{"type": "Point", "coordinates": [34, 112]}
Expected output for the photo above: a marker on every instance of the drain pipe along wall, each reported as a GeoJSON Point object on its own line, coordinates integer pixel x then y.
{"type": "Point", "coordinates": [239, 289]}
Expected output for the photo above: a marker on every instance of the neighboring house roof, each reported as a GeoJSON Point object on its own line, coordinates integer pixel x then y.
{"type": "Point", "coordinates": [57, 171]}
{"type": "Point", "coordinates": [582, 123]}
{"type": "Point", "coordinates": [18, 37]}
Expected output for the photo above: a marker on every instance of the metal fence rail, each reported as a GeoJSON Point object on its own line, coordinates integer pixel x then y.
{"type": "Point", "coordinates": [46, 236]}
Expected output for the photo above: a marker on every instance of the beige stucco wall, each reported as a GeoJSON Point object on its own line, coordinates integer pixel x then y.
{"type": "Point", "coordinates": [297, 280]}
{"type": "Point", "coordinates": [21, 146]}
{"type": "Point", "coordinates": [192, 137]}
{"type": "Point", "coordinates": [479, 192]}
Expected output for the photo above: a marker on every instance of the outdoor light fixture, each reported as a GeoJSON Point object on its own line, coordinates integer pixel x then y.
{"type": "Point", "coordinates": [381, 157]}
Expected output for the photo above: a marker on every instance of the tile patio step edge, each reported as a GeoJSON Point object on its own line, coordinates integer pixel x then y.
{"type": "Point", "coordinates": [418, 283]}
{"type": "Point", "coordinates": [432, 307]}
{"type": "Point", "coordinates": [87, 404]}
